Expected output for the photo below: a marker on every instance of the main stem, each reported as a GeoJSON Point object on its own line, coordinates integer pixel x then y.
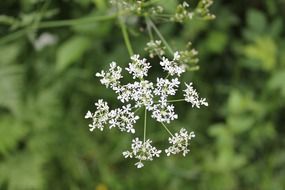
{"type": "Point", "coordinates": [125, 35]}
{"type": "Point", "coordinates": [148, 28]}
{"type": "Point", "coordinates": [144, 129]}
{"type": "Point", "coordinates": [178, 100]}
{"type": "Point", "coordinates": [171, 101]}
{"type": "Point", "coordinates": [55, 24]}
{"type": "Point", "coordinates": [160, 36]}
{"type": "Point", "coordinates": [72, 22]}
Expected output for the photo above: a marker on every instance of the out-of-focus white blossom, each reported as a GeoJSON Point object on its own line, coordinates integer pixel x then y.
{"type": "Point", "coordinates": [179, 142]}
{"type": "Point", "coordinates": [143, 151]}
{"type": "Point", "coordinates": [155, 48]}
{"type": "Point", "coordinates": [184, 12]}
{"type": "Point", "coordinates": [44, 40]}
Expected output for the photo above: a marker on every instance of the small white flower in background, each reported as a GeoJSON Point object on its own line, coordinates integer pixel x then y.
{"type": "Point", "coordinates": [154, 97]}
{"type": "Point", "coordinates": [179, 142]}
{"type": "Point", "coordinates": [182, 13]}
{"type": "Point", "coordinates": [143, 151]}
{"type": "Point", "coordinates": [44, 40]}
{"type": "Point", "coordinates": [191, 95]}
{"type": "Point", "coordinates": [185, 4]}
{"type": "Point", "coordinates": [155, 48]}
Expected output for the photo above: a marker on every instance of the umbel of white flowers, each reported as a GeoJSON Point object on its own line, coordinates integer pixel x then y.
{"type": "Point", "coordinates": [154, 97]}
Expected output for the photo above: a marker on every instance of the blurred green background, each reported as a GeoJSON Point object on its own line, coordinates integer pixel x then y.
{"type": "Point", "coordinates": [45, 92]}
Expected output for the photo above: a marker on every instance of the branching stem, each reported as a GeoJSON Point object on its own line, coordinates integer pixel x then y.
{"type": "Point", "coordinates": [160, 36]}
{"type": "Point", "coordinates": [166, 128]}
{"type": "Point", "coordinates": [125, 34]}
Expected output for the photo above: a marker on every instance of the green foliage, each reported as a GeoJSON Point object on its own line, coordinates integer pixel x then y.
{"type": "Point", "coordinates": [71, 51]}
{"type": "Point", "coordinates": [44, 94]}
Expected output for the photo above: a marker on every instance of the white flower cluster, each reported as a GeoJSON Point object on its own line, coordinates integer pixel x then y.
{"type": "Point", "coordinates": [180, 142]}
{"type": "Point", "coordinates": [173, 67]}
{"type": "Point", "coordinates": [143, 151]}
{"type": "Point", "coordinates": [154, 97]}
{"type": "Point", "coordinates": [100, 116]}
{"type": "Point", "coordinates": [138, 67]}
{"type": "Point", "coordinates": [191, 95]}
{"type": "Point", "coordinates": [112, 77]}
{"type": "Point", "coordinates": [122, 118]}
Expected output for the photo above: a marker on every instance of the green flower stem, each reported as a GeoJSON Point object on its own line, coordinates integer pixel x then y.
{"type": "Point", "coordinates": [137, 110]}
{"type": "Point", "coordinates": [149, 29]}
{"type": "Point", "coordinates": [161, 37]}
{"type": "Point", "coordinates": [166, 128]}
{"type": "Point", "coordinates": [178, 100]}
{"type": "Point", "coordinates": [54, 24]}
{"type": "Point", "coordinates": [144, 129]}
{"type": "Point", "coordinates": [125, 35]}
{"type": "Point", "coordinates": [171, 101]}
{"type": "Point", "coordinates": [72, 22]}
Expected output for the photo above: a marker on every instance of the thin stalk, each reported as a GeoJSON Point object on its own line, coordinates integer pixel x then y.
{"type": "Point", "coordinates": [144, 129]}
{"type": "Point", "coordinates": [171, 101]}
{"type": "Point", "coordinates": [72, 22]}
{"type": "Point", "coordinates": [54, 24]}
{"type": "Point", "coordinates": [149, 29]}
{"type": "Point", "coordinates": [137, 110]}
{"type": "Point", "coordinates": [178, 100]}
{"type": "Point", "coordinates": [40, 14]}
{"type": "Point", "coordinates": [161, 37]}
{"type": "Point", "coordinates": [125, 35]}
{"type": "Point", "coordinates": [165, 127]}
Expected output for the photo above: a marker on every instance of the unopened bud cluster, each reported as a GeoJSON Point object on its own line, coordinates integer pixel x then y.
{"type": "Point", "coordinates": [183, 11]}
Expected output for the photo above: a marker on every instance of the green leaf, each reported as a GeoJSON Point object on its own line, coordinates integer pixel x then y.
{"type": "Point", "coordinates": [263, 50]}
{"type": "Point", "coordinates": [217, 41]}
{"type": "Point", "coordinates": [9, 53]}
{"type": "Point", "coordinates": [256, 21]}
{"type": "Point", "coordinates": [277, 81]}
{"type": "Point", "coordinates": [22, 171]}
{"type": "Point", "coordinates": [71, 51]}
{"type": "Point", "coordinates": [10, 134]}
{"type": "Point", "coordinates": [11, 87]}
